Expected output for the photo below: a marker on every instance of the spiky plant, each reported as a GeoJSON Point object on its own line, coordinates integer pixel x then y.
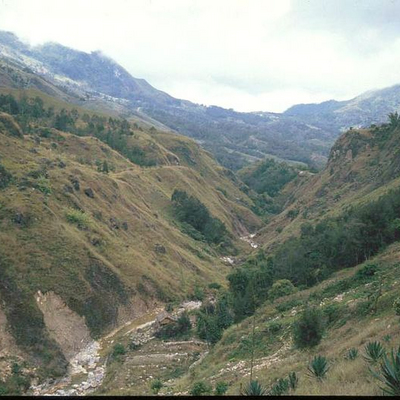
{"type": "Point", "coordinates": [374, 351]}
{"type": "Point", "coordinates": [318, 367]}
{"type": "Point", "coordinates": [390, 373]}
{"type": "Point", "coordinates": [280, 388]}
{"type": "Point", "coordinates": [352, 354]}
{"type": "Point", "coordinates": [293, 380]}
{"type": "Point", "coordinates": [254, 388]}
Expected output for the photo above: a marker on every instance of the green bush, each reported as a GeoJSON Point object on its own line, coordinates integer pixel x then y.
{"type": "Point", "coordinates": [288, 305]}
{"type": "Point", "coordinates": [280, 288]}
{"type": "Point", "coordinates": [318, 367]}
{"type": "Point", "coordinates": [351, 354]}
{"type": "Point", "coordinates": [79, 218]}
{"type": "Point", "coordinates": [221, 388]}
{"type": "Point", "coordinates": [309, 328]}
{"type": "Point", "coordinates": [274, 327]}
{"type": "Point", "coordinates": [374, 351]}
{"type": "Point", "coordinates": [200, 389]}
{"type": "Point", "coordinates": [156, 385]}
{"type": "Point", "coordinates": [366, 272]}
{"type": "Point", "coordinates": [5, 177]}
{"type": "Point", "coordinates": [390, 373]}
{"type": "Point", "coordinates": [118, 350]}
{"type": "Point", "coordinates": [396, 306]}
{"type": "Point", "coordinates": [334, 312]}
{"type": "Point", "coordinates": [43, 184]}
{"type": "Point", "coordinates": [254, 388]}
{"type": "Point", "coordinates": [293, 380]}
{"type": "Point", "coordinates": [280, 388]}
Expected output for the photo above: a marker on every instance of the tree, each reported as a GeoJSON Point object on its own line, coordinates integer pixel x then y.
{"type": "Point", "coordinates": [309, 328]}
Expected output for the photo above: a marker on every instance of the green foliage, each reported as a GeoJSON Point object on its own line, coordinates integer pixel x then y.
{"type": "Point", "coordinates": [249, 286]}
{"type": "Point", "coordinates": [5, 177]}
{"type": "Point", "coordinates": [221, 388]}
{"type": "Point", "coordinates": [181, 329]}
{"type": "Point", "coordinates": [309, 328]}
{"type": "Point", "coordinates": [213, 319]}
{"type": "Point", "coordinates": [268, 177]}
{"type": "Point", "coordinates": [281, 288]}
{"type": "Point", "coordinates": [288, 305]}
{"type": "Point", "coordinates": [340, 242]}
{"type": "Point", "coordinates": [396, 306]}
{"type": "Point", "coordinates": [280, 388]}
{"type": "Point", "coordinates": [79, 218]}
{"type": "Point", "coordinates": [274, 327]}
{"type": "Point", "coordinates": [43, 184]}
{"type": "Point", "coordinates": [351, 354]}
{"type": "Point", "coordinates": [200, 389]}
{"type": "Point", "coordinates": [254, 388]}
{"type": "Point", "coordinates": [193, 212]}
{"type": "Point", "coordinates": [156, 385]}
{"type": "Point", "coordinates": [374, 351]}
{"type": "Point", "coordinates": [390, 373]}
{"type": "Point", "coordinates": [318, 367]}
{"type": "Point", "coordinates": [334, 313]}
{"type": "Point", "coordinates": [366, 272]}
{"type": "Point", "coordinates": [293, 380]}
{"type": "Point", "coordinates": [118, 350]}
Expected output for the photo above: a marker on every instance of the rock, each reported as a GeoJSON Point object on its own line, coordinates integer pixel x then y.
{"type": "Point", "coordinates": [89, 193]}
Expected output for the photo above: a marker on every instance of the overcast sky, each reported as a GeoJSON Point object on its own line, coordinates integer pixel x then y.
{"type": "Point", "coordinates": [248, 55]}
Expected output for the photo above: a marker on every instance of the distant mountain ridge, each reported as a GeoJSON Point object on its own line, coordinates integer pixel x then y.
{"type": "Point", "coordinates": [304, 133]}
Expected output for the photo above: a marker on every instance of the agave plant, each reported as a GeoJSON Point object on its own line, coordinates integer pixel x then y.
{"type": "Point", "coordinates": [374, 352]}
{"type": "Point", "coordinates": [293, 380]}
{"type": "Point", "coordinates": [390, 373]}
{"type": "Point", "coordinates": [352, 354]}
{"type": "Point", "coordinates": [280, 388]}
{"type": "Point", "coordinates": [318, 367]}
{"type": "Point", "coordinates": [254, 388]}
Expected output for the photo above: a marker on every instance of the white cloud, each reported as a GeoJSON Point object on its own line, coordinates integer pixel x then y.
{"type": "Point", "coordinates": [244, 54]}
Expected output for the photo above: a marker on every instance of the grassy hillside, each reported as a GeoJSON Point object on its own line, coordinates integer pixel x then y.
{"type": "Point", "coordinates": [82, 221]}
{"type": "Point", "coordinates": [357, 308]}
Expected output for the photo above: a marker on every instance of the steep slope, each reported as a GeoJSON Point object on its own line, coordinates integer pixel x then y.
{"type": "Point", "coordinates": [363, 164]}
{"type": "Point", "coordinates": [88, 232]}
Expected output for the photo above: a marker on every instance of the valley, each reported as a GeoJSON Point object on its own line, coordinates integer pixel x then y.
{"type": "Point", "coordinates": [154, 246]}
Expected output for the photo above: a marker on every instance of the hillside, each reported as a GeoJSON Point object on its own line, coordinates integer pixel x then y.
{"type": "Point", "coordinates": [348, 275]}
{"type": "Point", "coordinates": [89, 239]}
{"type": "Point", "coordinates": [234, 138]}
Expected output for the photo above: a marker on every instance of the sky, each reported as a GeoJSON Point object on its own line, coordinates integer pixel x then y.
{"type": "Point", "coordinates": [249, 55]}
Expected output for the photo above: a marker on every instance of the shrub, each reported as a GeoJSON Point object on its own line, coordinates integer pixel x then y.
{"type": "Point", "coordinates": [43, 184]}
{"type": "Point", "coordinates": [118, 350]}
{"type": "Point", "coordinates": [254, 388]}
{"type": "Point", "coordinates": [396, 306]}
{"type": "Point", "coordinates": [374, 352]}
{"type": "Point", "coordinates": [309, 328]}
{"type": "Point", "coordinates": [274, 327]}
{"type": "Point", "coordinates": [156, 385]}
{"type": "Point", "coordinates": [351, 354]}
{"type": "Point", "coordinates": [79, 218]}
{"type": "Point", "coordinates": [221, 388]}
{"type": "Point", "coordinates": [280, 388]}
{"type": "Point", "coordinates": [281, 288]}
{"type": "Point", "coordinates": [390, 370]}
{"type": "Point", "coordinates": [293, 380]}
{"type": "Point", "coordinates": [366, 272]}
{"type": "Point", "coordinates": [5, 177]}
{"type": "Point", "coordinates": [333, 312]}
{"type": "Point", "coordinates": [200, 389]}
{"type": "Point", "coordinates": [318, 367]}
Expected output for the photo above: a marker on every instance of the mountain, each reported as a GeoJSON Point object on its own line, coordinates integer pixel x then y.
{"type": "Point", "coordinates": [234, 138]}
